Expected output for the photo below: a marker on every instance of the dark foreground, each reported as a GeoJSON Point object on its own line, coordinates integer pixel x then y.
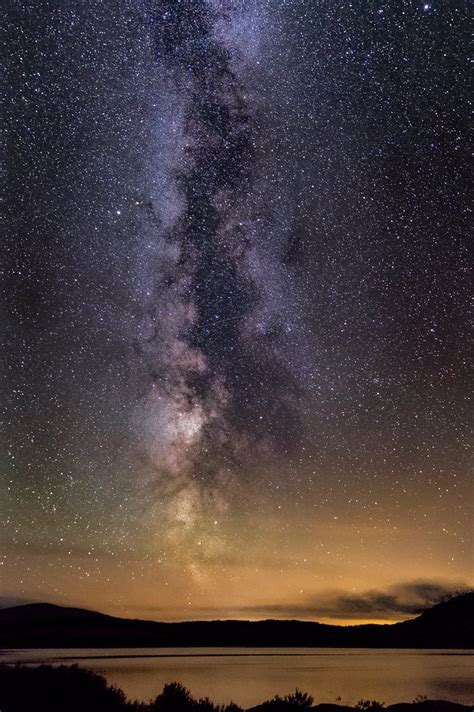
{"type": "Point", "coordinates": [74, 689]}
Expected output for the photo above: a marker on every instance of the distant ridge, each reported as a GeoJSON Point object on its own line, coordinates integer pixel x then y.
{"type": "Point", "coordinates": [42, 625]}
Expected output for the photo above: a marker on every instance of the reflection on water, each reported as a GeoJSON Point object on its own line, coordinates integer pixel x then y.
{"type": "Point", "coordinates": [249, 676]}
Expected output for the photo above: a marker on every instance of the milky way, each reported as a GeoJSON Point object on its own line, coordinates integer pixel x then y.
{"type": "Point", "coordinates": [213, 357]}
{"type": "Point", "coordinates": [236, 297]}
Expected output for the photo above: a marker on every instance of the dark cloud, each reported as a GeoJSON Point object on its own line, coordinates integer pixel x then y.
{"type": "Point", "coordinates": [403, 600]}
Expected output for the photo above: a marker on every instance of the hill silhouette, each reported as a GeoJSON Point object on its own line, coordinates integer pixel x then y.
{"type": "Point", "coordinates": [40, 625]}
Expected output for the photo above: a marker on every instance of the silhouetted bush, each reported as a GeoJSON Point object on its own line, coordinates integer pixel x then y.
{"type": "Point", "coordinates": [296, 701]}
{"type": "Point", "coordinates": [176, 698]}
{"type": "Point", "coordinates": [56, 689]}
{"type": "Point", "coordinates": [370, 705]}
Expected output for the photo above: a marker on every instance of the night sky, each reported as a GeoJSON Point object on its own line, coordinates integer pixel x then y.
{"type": "Point", "coordinates": [235, 314]}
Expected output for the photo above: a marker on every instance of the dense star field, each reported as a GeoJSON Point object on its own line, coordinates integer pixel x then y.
{"type": "Point", "coordinates": [235, 307]}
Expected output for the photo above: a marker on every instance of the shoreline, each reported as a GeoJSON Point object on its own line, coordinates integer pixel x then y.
{"type": "Point", "coordinates": [57, 688]}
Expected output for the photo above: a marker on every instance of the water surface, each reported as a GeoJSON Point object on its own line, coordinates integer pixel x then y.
{"type": "Point", "coordinates": [250, 675]}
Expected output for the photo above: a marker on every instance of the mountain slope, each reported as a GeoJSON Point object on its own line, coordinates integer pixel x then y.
{"type": "Point", "coordinates": [447, 625]}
